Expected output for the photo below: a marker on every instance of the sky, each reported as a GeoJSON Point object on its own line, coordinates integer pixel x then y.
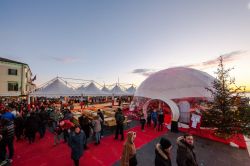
{"type": "Point", "coordinates": [125, 40]}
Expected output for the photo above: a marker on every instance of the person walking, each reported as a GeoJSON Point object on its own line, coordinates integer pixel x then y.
{"type": "Point", "coordinates": [31, 126]}
{"type": "Point", "coordinates": [142, 120]}
{"type": "Point", "coordinates": [99, 112]}
{"type": "Point", "coordinates": [8, 133]}
{"type": "Point", "coordinates": [19, 126]}
{"type": "Point", "coordinates": [96, 123]}
{"type": "Point", "coordinates": [129, 151]}
{"type": "Point", "coordinates": [76, 143]}
{"type": "Point", "coordinates": [154, 118]}
{"type": "Point", "coordinates": [162, 153]}
{"type": "Point", "coordinates": [185, 151]}
{"type": "Point", "coordinates": [160, 119]}
{"type": "Point", "coordinates": [43, 116]}
{"type": "Point", "coordinates": [149, 117]}
{"type": "Point", "coordinates": [119, 117]}
{"type": "Point", "coordinates": [86, 127]}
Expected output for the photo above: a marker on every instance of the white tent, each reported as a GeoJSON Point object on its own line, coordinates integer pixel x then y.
{"type": "Point", "coordinates": [131, 90]}
{"type": "Point", "coordinates": [80, 89]}
{"type": "Point", "coordinates": [55, 88]}
{"type": "Point", "coordinates": [92, 90]}
{"type": "Point", "coordinates": [117, 91]}
{"type": "Point", "coordinates": [105, 89]}
{"type": "Point", "coordinates": [175, 83]}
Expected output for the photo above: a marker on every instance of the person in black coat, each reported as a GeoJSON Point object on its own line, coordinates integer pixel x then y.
{"type": "Point", "coordinates": [162, 153]}
{"type": "Point", "coordinates": [86, 127]}
{"type": "Point", "coordinates": [19, 126]}
{"type": "Point", "coordinates": [43, 120]}
{"type": "Point", "coordinates": [31, 126]}
{"type": "Point", "coordinates": [77, 139]}
{"type": "Point", "coordinates": [160, 120]}
{"type": "Point", "coordinates": [119, 117]}
{"type": "Point", "coordinates": [185, 151]}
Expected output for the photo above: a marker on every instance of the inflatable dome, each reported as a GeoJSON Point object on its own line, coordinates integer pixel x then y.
{"type": "Point", "coordinates": [176, 83]}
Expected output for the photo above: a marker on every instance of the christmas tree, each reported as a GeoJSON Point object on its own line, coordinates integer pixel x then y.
{"type": "Point", "coordinates": [229, 112]}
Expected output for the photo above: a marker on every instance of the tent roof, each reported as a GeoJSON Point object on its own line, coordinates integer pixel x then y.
{"type": "Point", "coordinates": [105, 89]}
{"type": "Point", "coordinates": [55, 88]}
{"type": "Point", "coordinates": [175, 83]}
{"type": "Point", "coordinates": [131, 90]}
{"type": "Point", "coordinates": [117, 91]}
{"type": "Point", "coordinates": [81, 88]}
{"type": "Point", "coordinates": [92, 90]}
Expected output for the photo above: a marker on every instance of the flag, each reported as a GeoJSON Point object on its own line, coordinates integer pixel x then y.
{"type": "Point", "coordinates": [34, 78]}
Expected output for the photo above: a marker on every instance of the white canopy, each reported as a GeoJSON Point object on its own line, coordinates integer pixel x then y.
{"type": "Point", "coordinates": [55, 88]}
{"type": "Point", "coordinates": [92, 90]}
{"type": "Point", "coordinates": [117, 91]}
{"type": "Point", "coordinates": [81, 88]}
{"type": "Point", "coordinates": [131, 90]}
{"type": "Point", "coordinates": [105, 89]}
{"type": "Point", "coordinates": [175, 83]}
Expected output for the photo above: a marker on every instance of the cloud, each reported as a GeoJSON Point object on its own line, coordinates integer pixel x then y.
{"type": "Point", "coordinates": [248, 5]}
{"type": "Point", "coordinates": [144, 72]}
{"type": "Point", "coordinates": [65, 59]}
{"type": "Point", "coordinates": [227, 58]}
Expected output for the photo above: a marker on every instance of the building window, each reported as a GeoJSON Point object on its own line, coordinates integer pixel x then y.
{"type": "Point", "coordinates": [12, 86]}
{"type": "Point", "coordinates": [12, 72]}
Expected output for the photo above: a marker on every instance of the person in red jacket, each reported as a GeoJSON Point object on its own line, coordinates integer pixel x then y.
{"type": "Point", "coordinates": [66, 125]}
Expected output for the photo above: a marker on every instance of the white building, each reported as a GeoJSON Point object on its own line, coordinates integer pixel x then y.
{"type": "Point", "coordinates": [15, 78]}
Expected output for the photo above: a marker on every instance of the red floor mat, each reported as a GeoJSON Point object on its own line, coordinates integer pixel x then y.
{"type": "Point", "coordinates": [43, 153]}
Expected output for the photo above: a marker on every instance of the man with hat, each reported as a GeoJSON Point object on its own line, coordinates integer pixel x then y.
{"type": "Point", "coordinates": [162, 153]}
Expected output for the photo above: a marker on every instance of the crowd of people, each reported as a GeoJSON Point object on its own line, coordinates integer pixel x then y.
{"type": "Point", "coordinates": [19, 121]}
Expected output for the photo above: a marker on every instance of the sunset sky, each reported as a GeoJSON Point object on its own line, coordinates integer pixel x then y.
{"type": "Point", "coordinates": [106, 40]}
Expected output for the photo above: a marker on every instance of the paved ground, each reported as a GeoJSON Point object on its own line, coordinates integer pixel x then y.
{"type": "Point", "coordinates": [208, 153]}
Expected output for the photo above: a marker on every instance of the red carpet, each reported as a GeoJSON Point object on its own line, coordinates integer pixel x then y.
{"type": "Point", "coordinates": [209, 134]}
{"type": "Point", "coordinates": [43, 153]}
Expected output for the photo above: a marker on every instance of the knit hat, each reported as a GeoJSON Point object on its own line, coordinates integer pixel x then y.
{"type": "Point", "coordinates": [165, 143]}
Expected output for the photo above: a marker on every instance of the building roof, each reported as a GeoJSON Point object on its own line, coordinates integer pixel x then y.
{"type": "Point", "coordinates": [11, 61]}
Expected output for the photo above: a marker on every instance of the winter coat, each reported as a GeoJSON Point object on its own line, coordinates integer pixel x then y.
{"type": "Point", "coordinates": [129, 152]}
{"type": "Point", "coordinates": [154, 116]}
{"type": "Point", "coordinates": [119, 117]}
{"type": "Point", "coordinates": [161, 117]}
{"type": "Point", "coordinates": [19, 123]}
{"type": "Point", "coordinates": [97, 125]}
{"type": "Point", "coordinates": [43, 117]}
{"type": "Point", "coordinates": [101, 115]}
{"type": "Point", "coordinates": [76, 143]}
{"type": "Point", "coordinates": [185, 154]}
{"type": "Point", "coordinates": [85, 125]}
{"type": "Point", "coordinates": [161, 158]}
{"type": "Point", "coordinates": [32, 122]}
{"type": "Point", "coordinates": [66, 124]}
